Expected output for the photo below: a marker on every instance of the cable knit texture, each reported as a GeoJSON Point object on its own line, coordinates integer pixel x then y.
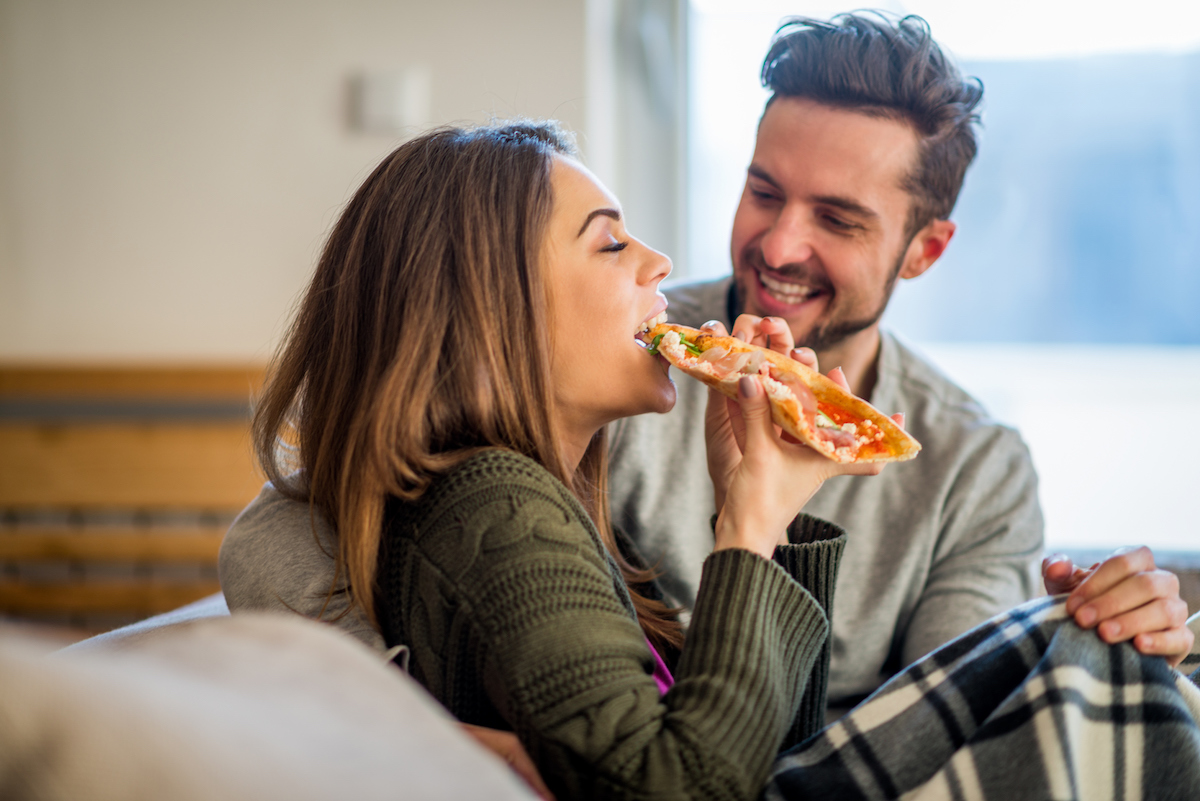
{"type": "Point", "coordinates": [518, 618]}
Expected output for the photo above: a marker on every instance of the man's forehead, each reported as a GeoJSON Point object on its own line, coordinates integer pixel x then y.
{"type": "Point", "coordinates": [801, 141]}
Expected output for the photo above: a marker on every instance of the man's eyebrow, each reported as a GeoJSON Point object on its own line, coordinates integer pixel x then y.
{"type": "Point", "coordinates": [837, 201]}
{"type": "Point", "coordinates": [761, 174]}
{"type": "Point", "coordinates": [616, 215]}
{"type": "Point", "coordinates": [846, 204]}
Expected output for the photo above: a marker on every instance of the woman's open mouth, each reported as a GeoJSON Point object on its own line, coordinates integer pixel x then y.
{"type": "Point", "coordinates": [646, 326]}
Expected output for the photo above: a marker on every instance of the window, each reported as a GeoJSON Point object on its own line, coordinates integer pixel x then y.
{"type": "Point", "coordinates": [1069, 301]}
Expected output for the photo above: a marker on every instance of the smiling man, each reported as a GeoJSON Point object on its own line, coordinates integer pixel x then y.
{"type": "Point", "coordinates": [860, 155]}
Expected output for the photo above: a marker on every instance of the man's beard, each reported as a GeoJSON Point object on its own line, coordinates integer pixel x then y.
{"type": "Point", "coordinates": [835, 332]}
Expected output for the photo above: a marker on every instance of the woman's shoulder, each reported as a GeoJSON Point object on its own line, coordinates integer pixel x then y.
{"type": "Point", "coordinates": [495, 470]}
{"type": "Point", "coordinates": [495, 501]}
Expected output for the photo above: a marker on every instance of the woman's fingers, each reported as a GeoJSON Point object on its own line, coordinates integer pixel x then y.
{"type": "Point", "coordinates": [778, 335]}
{"type": "Point", "coordinates": [766, 332]}
{"type": "Point", "coordinates": [898, 419]}
{"type": "Point", "coordinates": [806, 356]}
{"type": "Point", "coordinates": [838, 377]}
{"type": "Point", "coordinates": [715, 327]}
{"type": "Point", "coordinates": [746, 328]}
{"type": "Point", "coordinates": [722, 449]}
{"type": "Point", "coordinates": [756, 412]}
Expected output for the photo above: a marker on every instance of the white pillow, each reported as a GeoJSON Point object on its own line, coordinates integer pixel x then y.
{"type": "Point", "coordinates": [256, 706]}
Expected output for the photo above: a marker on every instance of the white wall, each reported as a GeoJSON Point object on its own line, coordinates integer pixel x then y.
{"type": "Point", "coordinates": [168, 169]}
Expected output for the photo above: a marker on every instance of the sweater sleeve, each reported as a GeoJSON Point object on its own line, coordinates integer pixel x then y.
{"type": "Point", "coordinates": [811, 557]}
{"type": "Point", "coordinates": [566, 665]}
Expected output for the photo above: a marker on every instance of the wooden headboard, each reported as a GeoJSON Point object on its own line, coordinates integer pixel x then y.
{"type": "Point", "coordinates": [116, 486]}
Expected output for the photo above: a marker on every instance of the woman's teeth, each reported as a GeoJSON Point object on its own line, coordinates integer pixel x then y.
{"type": "Point", "coordinates": [657, 319]}
{"type": "Point", "coordinates": [783, 291]}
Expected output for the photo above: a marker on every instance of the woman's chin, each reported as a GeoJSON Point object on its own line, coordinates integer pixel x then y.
{"type": "Point", "coordinates": [664, 399]}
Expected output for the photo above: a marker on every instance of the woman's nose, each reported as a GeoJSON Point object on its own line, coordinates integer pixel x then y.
{"type": "Point", "coordinates": [655, 267]}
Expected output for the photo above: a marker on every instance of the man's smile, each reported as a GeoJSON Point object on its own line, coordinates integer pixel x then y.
{"type": "Point", "coordinates": [782, 296]}
{"type": "Point", "coordinates": [785, 291]}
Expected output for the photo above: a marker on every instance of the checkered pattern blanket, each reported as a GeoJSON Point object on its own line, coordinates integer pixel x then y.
{"type": "Point", "coordinates": [1026, 706]}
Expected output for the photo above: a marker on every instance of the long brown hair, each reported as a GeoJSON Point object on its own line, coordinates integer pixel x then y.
{"type": "Point", "coordinates": [422, 339]}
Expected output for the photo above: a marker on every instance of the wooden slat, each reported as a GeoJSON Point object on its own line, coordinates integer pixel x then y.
{"type": "Point", "coordinates": [150, 382]}
{"type": "Point", "coordinates": [199, 466]}
{"type": "Point", "coordinates": [133, 597]}
{"type": "Point", "coordinates": [161, 545]}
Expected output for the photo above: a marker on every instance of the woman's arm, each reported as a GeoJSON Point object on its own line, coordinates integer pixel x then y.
{"type": "Point", "coordinates": [513, 595]}
{"type": "Point", "coordinates": [811, 557]}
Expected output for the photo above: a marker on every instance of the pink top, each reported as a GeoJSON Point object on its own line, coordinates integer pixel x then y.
{"type": "Point", "coordinates": [662, 674]}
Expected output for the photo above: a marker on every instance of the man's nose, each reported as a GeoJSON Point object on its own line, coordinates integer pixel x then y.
{"type": "Point", "coordinates": [789, 239]}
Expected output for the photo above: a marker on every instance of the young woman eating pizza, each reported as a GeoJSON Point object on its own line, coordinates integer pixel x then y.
{"type": "Point", "coordinates": [442, 397]}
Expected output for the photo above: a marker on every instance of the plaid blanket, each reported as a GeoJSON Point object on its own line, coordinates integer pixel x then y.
{"type": "Point", "coordinates": [1026, 706]}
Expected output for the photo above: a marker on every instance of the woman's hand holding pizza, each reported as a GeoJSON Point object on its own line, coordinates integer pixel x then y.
{"type": "Point", "coordinates": [761, 476]}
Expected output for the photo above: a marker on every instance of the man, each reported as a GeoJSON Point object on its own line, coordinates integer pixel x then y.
{"type": "Point", "coordinates": [859, 158]}
{"type": "Point", "coordinates": [853, 177]}
{"type": "Point", "coordinates": [860, 155]}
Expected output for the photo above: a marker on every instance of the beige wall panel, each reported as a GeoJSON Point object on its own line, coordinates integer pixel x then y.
{"type": "Point", "coordinates": [144, 382]}
{"type": "Point", "coordinates": [127, 466]}
{"type": "Point", "coordinates": [168, 169]}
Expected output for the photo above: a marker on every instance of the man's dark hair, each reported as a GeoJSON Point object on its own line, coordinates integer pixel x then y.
{"type": "Point", "coordinates": [866, 62]}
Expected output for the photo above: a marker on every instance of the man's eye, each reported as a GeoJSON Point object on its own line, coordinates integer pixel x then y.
{"type": "Point", "coordinates": [615, 247]}
{"type": "Point", "coordinates": [763, 194]}
{"type": "Point", "coordinates": [838, 223]}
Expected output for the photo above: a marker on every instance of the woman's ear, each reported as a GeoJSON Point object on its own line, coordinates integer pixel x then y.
{"type": "Point", "coordinates": [927, 247]}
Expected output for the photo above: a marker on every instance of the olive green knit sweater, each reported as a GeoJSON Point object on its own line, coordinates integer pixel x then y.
{"type": "Point", "coordinates": [517, 618]}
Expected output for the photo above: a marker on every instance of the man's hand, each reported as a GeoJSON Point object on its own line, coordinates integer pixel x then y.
{"type": "Point", "coordinates": [1125, 597]}
{"type": "Point", "coordinates": [505, 745]}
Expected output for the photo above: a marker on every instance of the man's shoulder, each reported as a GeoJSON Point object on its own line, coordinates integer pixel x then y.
{"type": "Point", "coordinates": [274, 520]}
{"type": "Point", "coordinates": [696, 302]}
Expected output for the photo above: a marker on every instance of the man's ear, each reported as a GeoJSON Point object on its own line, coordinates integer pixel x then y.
{"type": "Point", "coordinates": [927, 247]}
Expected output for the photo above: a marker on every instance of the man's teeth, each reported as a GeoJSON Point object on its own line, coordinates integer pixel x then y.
{"type": "Point", "coordinates": [783, 291]}
{"type": "Point", "coordinates": [657, 319]}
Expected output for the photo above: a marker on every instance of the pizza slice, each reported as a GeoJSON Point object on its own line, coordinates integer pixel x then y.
{"type": "Point", "coordinates": [806, 404]}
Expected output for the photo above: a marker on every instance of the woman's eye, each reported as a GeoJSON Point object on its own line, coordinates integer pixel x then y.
{"type": "Point", "coordinates": [615, 247]}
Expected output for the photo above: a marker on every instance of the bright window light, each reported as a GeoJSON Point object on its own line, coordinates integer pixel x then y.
{"type": "Point", "coordinates": [1075, 273]}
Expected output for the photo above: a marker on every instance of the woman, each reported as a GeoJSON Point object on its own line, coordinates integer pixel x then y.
{"type": "Point", "coordinates": [467, 335]}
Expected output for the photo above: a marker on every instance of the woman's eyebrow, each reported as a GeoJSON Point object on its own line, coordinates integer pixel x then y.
{"type": "Point", "coordinates": [616, 215]}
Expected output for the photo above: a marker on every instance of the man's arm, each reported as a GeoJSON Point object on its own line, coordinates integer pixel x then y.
{"type": "Point", "coordinates": [1126, 597]}
{"type": "Point", "coordinates": [991, 537]}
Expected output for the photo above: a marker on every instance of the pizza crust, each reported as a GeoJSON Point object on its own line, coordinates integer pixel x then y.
{"type": "Point", "coordinates": [852, 429]}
